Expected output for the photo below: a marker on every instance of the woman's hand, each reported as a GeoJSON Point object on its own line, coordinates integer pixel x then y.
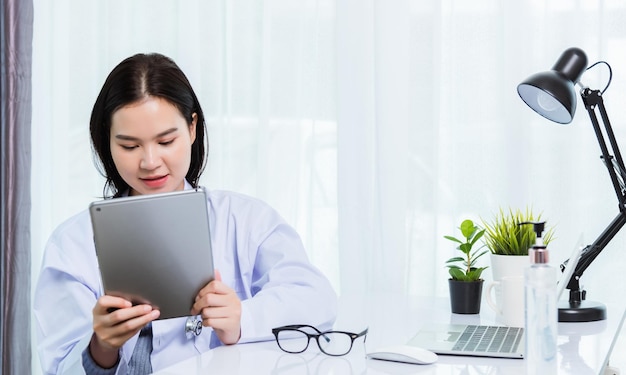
{"type": "Point", "coordinates": [220, 309]}
{"type": "Point", "coordinates": [115, 320]}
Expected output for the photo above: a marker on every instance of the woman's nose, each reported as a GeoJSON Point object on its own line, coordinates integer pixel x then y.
{"type": "Point", "coordinates": [150, 159]}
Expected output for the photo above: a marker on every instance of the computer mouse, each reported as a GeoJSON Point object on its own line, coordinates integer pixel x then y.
{"type": "Point", "coordinates": [405, 354]}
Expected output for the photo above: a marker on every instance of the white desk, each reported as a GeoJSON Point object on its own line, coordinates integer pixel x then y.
{"type": "Point", "coordinates": [584, 348]}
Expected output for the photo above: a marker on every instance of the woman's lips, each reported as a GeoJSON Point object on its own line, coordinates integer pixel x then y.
{"type": "Point", "coordinates": [155, 182]}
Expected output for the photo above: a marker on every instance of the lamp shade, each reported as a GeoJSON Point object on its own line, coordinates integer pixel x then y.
{"type": "Point", "coordinates": [552, 93]}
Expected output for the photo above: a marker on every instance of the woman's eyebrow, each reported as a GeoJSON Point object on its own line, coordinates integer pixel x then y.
{"type": "Point", "coordinates": [130, 138]}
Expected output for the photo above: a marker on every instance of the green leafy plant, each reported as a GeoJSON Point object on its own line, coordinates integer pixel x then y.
{"type": "Point", "coordinates": [505, 236]}
{"type": "Point", "coordinates": [463, 268]}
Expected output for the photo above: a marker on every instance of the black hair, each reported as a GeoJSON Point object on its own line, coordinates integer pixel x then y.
{"type": "Point", "coordinates": [136, 78]}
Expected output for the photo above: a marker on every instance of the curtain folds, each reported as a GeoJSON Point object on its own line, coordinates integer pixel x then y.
{"type": "Point", "coordinates": [15, 251]}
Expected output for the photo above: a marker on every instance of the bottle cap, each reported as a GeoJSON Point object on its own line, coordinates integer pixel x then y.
{"type": "Point", "coordinates": [539, 255]}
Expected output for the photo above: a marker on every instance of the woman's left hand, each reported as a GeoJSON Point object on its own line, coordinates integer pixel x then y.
{"type": "Point", "coordinates": [220, 309]}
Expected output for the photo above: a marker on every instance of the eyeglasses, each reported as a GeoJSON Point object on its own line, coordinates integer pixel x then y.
{"type": "Point", "coordinates": [294, 339]}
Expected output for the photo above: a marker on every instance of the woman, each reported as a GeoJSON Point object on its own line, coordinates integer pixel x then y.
{"type": "Point", "coordinates": [147, 129]}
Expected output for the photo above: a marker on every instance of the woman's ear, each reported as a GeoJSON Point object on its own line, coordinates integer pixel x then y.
{"type": "Point", "coordinates": [192, 127]}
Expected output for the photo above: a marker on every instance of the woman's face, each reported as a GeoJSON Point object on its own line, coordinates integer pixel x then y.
{"type": "Point", "coordinates": [151, 146]}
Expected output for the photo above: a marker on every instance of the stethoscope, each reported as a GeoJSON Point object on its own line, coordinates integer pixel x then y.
{"type": "Point", "coordinates": [193, 326]}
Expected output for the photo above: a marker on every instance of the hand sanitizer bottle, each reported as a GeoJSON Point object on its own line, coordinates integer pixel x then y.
{"type": "Point", "coordinates": [541, 314]}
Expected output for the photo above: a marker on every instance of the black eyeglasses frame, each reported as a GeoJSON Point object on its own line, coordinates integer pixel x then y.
{"type": "Point", "coordinates": [316, 336]}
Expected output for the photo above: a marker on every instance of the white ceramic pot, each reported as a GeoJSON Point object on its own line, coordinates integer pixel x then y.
{"type": "Point", "coordinates": [508, 266]}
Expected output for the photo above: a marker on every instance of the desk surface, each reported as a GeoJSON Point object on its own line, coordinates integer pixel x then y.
{"type": "Point", "coordinates": [583, 348]}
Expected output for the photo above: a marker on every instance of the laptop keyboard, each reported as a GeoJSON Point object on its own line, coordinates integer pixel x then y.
{"type": "Point", "coordinates": [489, 339]}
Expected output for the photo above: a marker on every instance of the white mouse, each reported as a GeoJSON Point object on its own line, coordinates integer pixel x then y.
{"type": "Point", "coordinates": [404, 353]}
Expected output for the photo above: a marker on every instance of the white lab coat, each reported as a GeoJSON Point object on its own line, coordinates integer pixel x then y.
{"type": "Point", "coordinates": [257, 253]}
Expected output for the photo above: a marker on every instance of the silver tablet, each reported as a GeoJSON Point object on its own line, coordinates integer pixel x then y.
{"type": "Point", "coordinates": [155, 248]}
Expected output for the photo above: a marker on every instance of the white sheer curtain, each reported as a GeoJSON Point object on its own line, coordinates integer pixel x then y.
{"type": "Point", "coordinates": [432, 131]}
{"type": "Point", "coordinates": [374, 127]}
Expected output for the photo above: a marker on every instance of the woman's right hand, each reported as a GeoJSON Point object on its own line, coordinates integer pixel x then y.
{"type": "Point", "coordinates": [115, 320]}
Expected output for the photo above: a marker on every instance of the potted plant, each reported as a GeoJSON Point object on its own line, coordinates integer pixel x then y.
{"type": "Point", "coordinates": [465, 281]}
{"type": "Point", "coordinates": [508, 241]}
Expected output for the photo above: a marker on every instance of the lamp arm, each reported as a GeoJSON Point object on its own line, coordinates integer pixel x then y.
{"type": "Point", "coordinates": [614, 163]}
{"type": "Point", "coordinates": [592, 100]}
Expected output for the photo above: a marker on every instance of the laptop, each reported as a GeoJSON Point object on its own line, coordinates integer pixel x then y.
{"type": "Point", "coordinates": [154, 249]}
{"type": "Point", "coordinates": [472, 340]}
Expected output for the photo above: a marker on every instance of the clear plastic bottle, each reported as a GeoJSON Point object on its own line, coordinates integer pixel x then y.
{"type": "Point", "coordinates": [541, 317]}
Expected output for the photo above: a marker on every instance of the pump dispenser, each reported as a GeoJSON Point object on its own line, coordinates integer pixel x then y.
{"type": "Point", "coordinates": [541, 315]}
{"type": "Point", "coordinates": [539, 252]}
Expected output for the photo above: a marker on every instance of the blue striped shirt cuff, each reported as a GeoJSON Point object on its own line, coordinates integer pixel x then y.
{"type": "Point", "coordinates": [91, 367]}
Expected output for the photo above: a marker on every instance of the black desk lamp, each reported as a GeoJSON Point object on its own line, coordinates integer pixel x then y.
{"type": "Point", "coordinates": [552, 95]}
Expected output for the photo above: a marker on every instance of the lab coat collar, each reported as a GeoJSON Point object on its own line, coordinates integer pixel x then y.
{"type": "Point", "coordinates": [186, 187]}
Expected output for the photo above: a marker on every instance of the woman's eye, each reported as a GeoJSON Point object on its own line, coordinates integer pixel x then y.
{"type": "Point", "coordinates": [165, 143]}
{"type": "Point", "coordinates": [126, 147]}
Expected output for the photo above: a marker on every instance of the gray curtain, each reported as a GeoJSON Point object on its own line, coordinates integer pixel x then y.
{"type": "Point", "coordinates": [16, 25]}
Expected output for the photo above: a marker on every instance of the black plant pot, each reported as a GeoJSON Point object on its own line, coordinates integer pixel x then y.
{"type": "Point", "coordinates": [465, 296]}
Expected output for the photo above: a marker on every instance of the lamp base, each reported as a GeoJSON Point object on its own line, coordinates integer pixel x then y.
{"type": "Point", "coordinates": [583, 311]}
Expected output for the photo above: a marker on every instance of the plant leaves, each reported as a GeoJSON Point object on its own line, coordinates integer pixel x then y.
{"type": "Point", "coordinates": [455, 259]}
{"type": "Point", "coordinates": [468, 272]}
{"type": "Point", "coordinates": [505, 236]}
{"type": "Point", "coordinates": [457, 274]}
{"type": "Point", "coordinates": [452, 239]}
{"type": "Point", "coordinates": [467, 228]}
